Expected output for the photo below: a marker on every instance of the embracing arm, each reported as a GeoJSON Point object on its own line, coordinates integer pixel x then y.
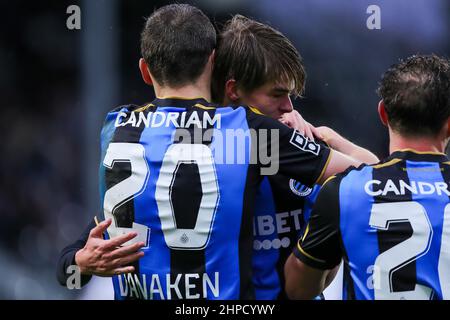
{"type": "Point", "coordinates": [96, 256]}
{"type": "Point", "coordinates": [67, 257]}
{"type": "Point", "coordinates": [315, 260]}
{"type": "Point", "coordinates": [341, 144]}
{"type": "Point", "coordinates": [305, 282]}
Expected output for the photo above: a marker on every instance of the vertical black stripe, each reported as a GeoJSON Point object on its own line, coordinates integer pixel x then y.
{"type": "Point", "coordinates": [349, 286]}
{"type": "Point", "coordinates": [252, 183]}
{"type": "Point", "coordinates": [186, 195]}
{"type": "Point", "coordinates": [285, 200]}
{"type": "Point", "coordinates": [403, 279]}
{"type": "Point", "coordinates": [445, 171]}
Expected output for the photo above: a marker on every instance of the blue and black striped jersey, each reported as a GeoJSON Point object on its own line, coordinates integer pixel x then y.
{"type": "Point", "coordinates": [283, 206]}
{"type": "Point", "coordinates": [184, 175]}
{"type": "Point", "coordinates": [390, 223]}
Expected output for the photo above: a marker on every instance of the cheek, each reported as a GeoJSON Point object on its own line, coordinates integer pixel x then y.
{"type": "Point", "coordinates": [268, 105]}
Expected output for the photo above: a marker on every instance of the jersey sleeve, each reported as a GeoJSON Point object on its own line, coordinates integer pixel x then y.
{"type": "Point", "coordinates": [280, 149]}
{"type": "Point", "coordinates": [320, 246]}
{"type": "Point", "coordinates": [67, 257]}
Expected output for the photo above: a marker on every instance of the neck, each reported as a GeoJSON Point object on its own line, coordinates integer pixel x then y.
{"type": "Point", "coordinates": [227, 101]}
{"type": "Point", "coordinates": [185, 92]}
{"type": "Point", "coordinates": [422, 144]}
{"type": "Point", "coordinates": [199, 89]}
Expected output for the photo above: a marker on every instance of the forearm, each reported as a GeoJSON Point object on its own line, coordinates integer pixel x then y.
{"type": "Point", "coordinates": [341, 144]}
{"type": "Point", "coordinates": [331, 275]}
{"type": "Point", "coordinates": [361, 154]}
{"type": "Point", "coordinates": [302, 281]}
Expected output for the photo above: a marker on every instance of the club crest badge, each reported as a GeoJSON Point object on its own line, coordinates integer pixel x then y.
{"type": "Point", "coordinates": [299, 189]}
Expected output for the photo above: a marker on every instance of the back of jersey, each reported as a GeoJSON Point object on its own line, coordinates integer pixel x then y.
{"type": "Point", "coordinates": [395, 228]}
{"type": "Point", "coordinates": [183, 174]}
{"type": "Point", "coordinates": [159, 178]}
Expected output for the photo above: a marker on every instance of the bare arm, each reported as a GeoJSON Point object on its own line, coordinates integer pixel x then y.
{"type": "Point", "coordinates": [316, 258]}
{"type": "Point", "coordinates": [339, 143]}
{"type": "Point", "coordinates": [344, 154]}
{"type": "Point", "coordinates": [304, 282]}
{"type": "Point", "coordinates": [338, 162]}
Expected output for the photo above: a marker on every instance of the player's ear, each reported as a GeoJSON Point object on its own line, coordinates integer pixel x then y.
{"type": "Point", "coordinates": [382, 113]}
{"type": "Point", "coordinates": [448, 127]}
{"type": "Point", "coordinates": [231, 90]}
{"type": "Point", "coordinates": [212, 57]}
{"type": "Point", "coordinates": [210, 64]}
{"type": "Point", "coordinates": [145, 72]}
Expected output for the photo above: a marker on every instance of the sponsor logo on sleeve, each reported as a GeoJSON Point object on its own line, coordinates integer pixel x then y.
{"type": "Point", "coordinates": [304, 143]}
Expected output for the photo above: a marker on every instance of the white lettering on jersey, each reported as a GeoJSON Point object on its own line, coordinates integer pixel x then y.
{"type": "Point", "coordinates": [266, 226]}
{"type": "Point", "coordinates": [134, 286]}
{"type": "Point", "coordinates": [168, 119]}
{"type": "Point", "coordinates": [400, 187]}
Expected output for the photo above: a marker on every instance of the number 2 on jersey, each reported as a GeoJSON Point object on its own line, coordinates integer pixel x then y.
{"type": "Point", "coordinates": [416, 246]}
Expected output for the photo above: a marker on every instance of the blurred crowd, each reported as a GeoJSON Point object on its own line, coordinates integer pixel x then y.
{"type": "Point", "coordinates": [40, 198]}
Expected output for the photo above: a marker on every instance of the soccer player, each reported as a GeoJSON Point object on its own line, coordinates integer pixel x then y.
{"type": "Point", "coordinates": [389, 222]}
{"type": "Point", "coordinates": [177, 180]}
{"type": "Point", "coordinates": [257, 65]}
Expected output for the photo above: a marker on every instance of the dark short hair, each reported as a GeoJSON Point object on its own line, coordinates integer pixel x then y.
{"type": "Point", "coordinates": [176, 43]}
{"type": "Point", "coordinates": [416, 95]}
{"type": "Point", "coordinates": [253, 54]}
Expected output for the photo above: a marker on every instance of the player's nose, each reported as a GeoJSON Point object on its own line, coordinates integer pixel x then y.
{"type": "Point", "coordinates": [286, 105]}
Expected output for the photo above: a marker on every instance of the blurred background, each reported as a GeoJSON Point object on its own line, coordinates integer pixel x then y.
{"type": "Point", "coordinates": [56, 86]}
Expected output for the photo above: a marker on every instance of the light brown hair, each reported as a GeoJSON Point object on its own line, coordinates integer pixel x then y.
{"type": "Point", "coordinates": [253, 54]}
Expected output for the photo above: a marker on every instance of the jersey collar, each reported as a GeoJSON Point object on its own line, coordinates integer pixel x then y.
{"type": "Point", "coordinates": [181, 102]}
{"type": "Point", "coordinates": [414, 155]}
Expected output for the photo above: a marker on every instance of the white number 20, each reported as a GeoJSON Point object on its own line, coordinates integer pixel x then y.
{"type": "Point", "coordinates": [135, 184]}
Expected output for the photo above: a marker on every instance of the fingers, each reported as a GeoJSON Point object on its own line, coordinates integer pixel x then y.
{"type": "Point", "coordinates": [123, 270]}
{"type": "Point", "coordinates": [116, 271]}
{"type": "Point", "coordinates": [98, 231]}
{"type": "Point", "coordinates": [308, 132]}
{"type": "Point", "coordinates": [124, 251]}
{"type": "Point", "coordinates": [285, 121]}
{"type": "Point", "coordinates": [118, 241]}
{"type": "Point", "coordinates": [127, 260]}
{"type": "Point", "coordinates": [299, 128]}
{"type": "Point", "coordinates": [293, 125]}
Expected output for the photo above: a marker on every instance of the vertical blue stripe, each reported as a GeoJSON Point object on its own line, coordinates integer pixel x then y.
{"type": "Point", "coordinates": [434, 204]}
{"type": "Point", "coordinates": [222, 252]}
{"type": "Point", "coordinates": [264, 261]}
{"type": "Point", "coordinates": [157, 257]}
{"type": "Point", "coordinates": [359, 239]}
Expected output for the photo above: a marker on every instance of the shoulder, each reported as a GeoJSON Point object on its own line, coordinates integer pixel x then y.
{"type": "Point", "coordinates": [249, 110]}
{"type": "Point", "coordinates": [124, 111]}
{"type": "Point", "coordinates": [130, 108]}
{"type": "Point", "coordinates": [334, 182]}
